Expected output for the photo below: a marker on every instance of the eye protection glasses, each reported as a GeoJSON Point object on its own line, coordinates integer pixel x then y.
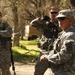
{"type": "Point", "coordinates": [62, 18]}
{"type": "Point", "coordinates": [53, 12]}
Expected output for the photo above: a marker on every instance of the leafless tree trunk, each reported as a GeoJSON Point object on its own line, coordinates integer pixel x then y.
{"type": "Point", "coordinates": [22, 28]}
{"type": "Point", "coordinates": [16, 24]}
{"type": "Point", "coordinates": [16, 27]}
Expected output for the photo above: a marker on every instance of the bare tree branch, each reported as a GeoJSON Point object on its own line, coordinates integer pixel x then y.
{"type": "Point", "coordinates": [30, 14]}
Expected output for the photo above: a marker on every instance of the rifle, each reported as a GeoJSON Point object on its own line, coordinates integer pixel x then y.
{"type": "Point", "coordinates": [12, 61]}
{"type": "Point", "coordinates": [34, 59]}
{"type": "Point", "coordinates": [50, 31]}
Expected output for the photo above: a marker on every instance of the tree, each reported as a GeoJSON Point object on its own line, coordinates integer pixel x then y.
{"type": "Point", "coordinates": [72, 2]}
{"type": "Point", "coordinates": [16, 23]}
{"type": "Point", "coordinates": [25, 11]}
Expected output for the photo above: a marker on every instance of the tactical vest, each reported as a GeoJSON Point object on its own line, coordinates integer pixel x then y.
{"type": "Point", "coordinates": [3, 40]}
{"type": "Point", "coordinates": [50, 33]}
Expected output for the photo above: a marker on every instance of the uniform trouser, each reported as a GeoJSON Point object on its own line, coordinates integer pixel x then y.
{"type": "Point", "coordinates": [5, 71]}
{"type": "Point", "coordinates": [41, 67]}
{"type": "Point", "coordinates": [5, 61]}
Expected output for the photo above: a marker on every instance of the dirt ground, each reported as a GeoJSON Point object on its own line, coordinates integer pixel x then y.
{"type": "Point", "coordinates": [25, 69]}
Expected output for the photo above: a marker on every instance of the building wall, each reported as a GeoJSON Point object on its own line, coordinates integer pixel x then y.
{"type": "Point", "coordinates": [29, 31]}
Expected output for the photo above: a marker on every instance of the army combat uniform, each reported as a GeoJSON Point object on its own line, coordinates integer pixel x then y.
{"type": "Point", "coordinates": [63, 58]}
{"type": "Point", "coordinates": [48, 31]}
{"type": "Point", "coordinates": [5, 45]}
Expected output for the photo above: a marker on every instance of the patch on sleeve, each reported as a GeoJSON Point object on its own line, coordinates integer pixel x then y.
{"type": "Point", "coordinates": [69, 45]}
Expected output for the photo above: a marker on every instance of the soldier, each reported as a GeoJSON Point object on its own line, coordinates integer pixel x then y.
{"type": "Point", "coordinates": [48, 29]}
{"type": "Point", "coordinates": [52, 14]}
{"type": "Point", "coordinates": [62, 60]}
{"type": "Point", "coordinates": [5, 45]}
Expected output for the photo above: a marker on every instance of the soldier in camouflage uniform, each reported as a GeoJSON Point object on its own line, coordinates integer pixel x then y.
{"type": "Point", "coordinates": [48, 29]}
{"type": "Point", "coordinates": [62, 57]}
{"type": "Point", "coordinates": [5, 45]}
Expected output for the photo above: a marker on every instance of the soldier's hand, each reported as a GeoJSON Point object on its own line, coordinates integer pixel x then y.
{"type": "Point", "coordinates": [42, 58]}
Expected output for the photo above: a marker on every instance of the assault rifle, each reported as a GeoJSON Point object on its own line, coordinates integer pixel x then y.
{"type": "Point", "coordinates": [12, 61]}
{"type": "Point", "coordinates": [50, 31]}
{"type": "Point", "coordinates": [50, 47]}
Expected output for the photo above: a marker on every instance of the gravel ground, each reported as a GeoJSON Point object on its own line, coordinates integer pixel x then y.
{"type": "Point", "coordinates": [25, 69]}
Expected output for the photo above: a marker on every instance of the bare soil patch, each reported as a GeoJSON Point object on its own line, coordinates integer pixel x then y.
{"type": "Point", "coordinates": [25, 69]}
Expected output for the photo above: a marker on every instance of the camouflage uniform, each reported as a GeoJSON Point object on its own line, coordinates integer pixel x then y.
{"type": "Point", "coordinates": [5, 45]}
{"type": "Point", "coordinates": [63, 59]}
{"type": "Point", "coordinates": [48, 32]}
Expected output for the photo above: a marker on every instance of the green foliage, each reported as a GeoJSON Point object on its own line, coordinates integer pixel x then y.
{"type": "Point", "coordinates": [26, 52]}
{"type": "Point", "coordinates": [26, 42]}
